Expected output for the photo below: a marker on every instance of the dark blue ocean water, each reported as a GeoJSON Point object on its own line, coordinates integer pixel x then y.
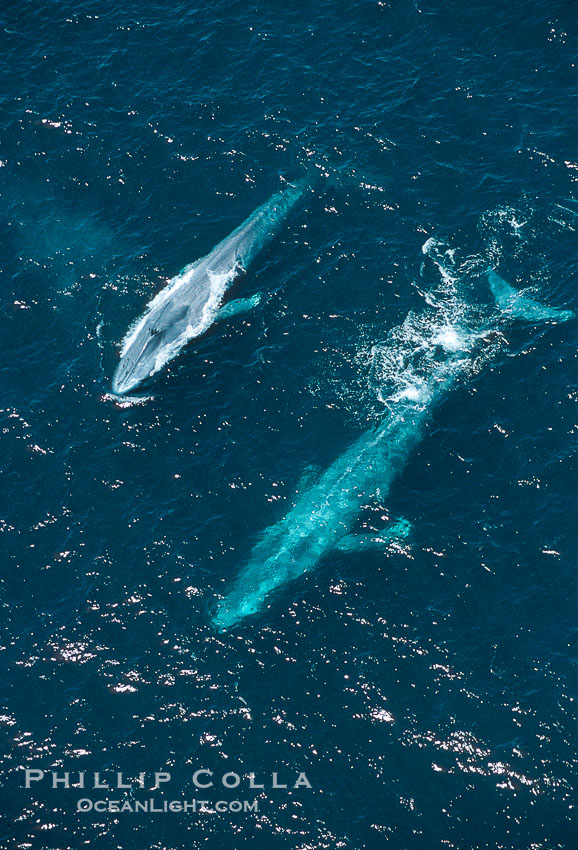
{"type": "Point", "coordinates": [428, 691]}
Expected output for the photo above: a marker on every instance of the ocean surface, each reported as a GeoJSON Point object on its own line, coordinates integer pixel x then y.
{"type": "Point", "coordinates": [426, 688]}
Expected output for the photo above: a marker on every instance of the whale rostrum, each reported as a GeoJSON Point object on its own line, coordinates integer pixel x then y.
{"type": "Point", "coordinates": [192, 301]}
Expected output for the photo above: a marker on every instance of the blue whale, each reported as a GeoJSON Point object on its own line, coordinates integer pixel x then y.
{"type": "Point", "coordinates": [191, 301]}
{"type": "Point", "coordinates": [422, 360]}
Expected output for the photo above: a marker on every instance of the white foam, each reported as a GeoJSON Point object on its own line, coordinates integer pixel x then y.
{"type": "Point", "coordinates": [416, 392]}
{"type": "Point", "coordinates": [157, 301]}
{"type": "Point", "coordinates": [428, 245]}
{"type": "Point", "coordinates": [449, 339]}
{"type": "Point", "coordinates": [219, 283]}
{"type": "Point", "coordinates": [124, 401]}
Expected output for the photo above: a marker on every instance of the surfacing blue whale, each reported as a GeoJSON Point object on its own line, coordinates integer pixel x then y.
{"type": "Point", "coordinates": [422, 360]}
{"type": "Point", "coordinates": [192, 301]}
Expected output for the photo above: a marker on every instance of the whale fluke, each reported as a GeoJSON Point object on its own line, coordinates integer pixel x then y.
{"type": "Point", "coordinates": [519, 306]}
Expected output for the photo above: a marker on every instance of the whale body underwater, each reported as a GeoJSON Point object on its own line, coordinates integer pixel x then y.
{"type": "Point", "coordinates": [192, 301]}
{"type": "Point", "coordinates": [420, 362]}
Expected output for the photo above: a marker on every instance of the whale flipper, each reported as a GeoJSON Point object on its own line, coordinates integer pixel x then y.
{"type": "Point", "coordinates": [513, 303]}
{"type": "Point", "coordinates": [387, 538]}
{"type": "Point", "coordinates": [238, 307]}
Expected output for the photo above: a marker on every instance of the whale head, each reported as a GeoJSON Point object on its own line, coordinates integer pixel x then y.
{"type": "Point", "coordinates": [155, 340]}
{"type": "Point", "coordinates": [141, 359]}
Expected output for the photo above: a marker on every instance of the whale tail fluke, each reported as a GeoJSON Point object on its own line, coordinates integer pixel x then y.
{"type": "Point", "coordinates": [513, 303]}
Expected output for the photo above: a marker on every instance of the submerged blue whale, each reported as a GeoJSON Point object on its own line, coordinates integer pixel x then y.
{"type": "Point", "coordinates": [419, 364]}
{"type": "Point", "coordinates": [192, 301]}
